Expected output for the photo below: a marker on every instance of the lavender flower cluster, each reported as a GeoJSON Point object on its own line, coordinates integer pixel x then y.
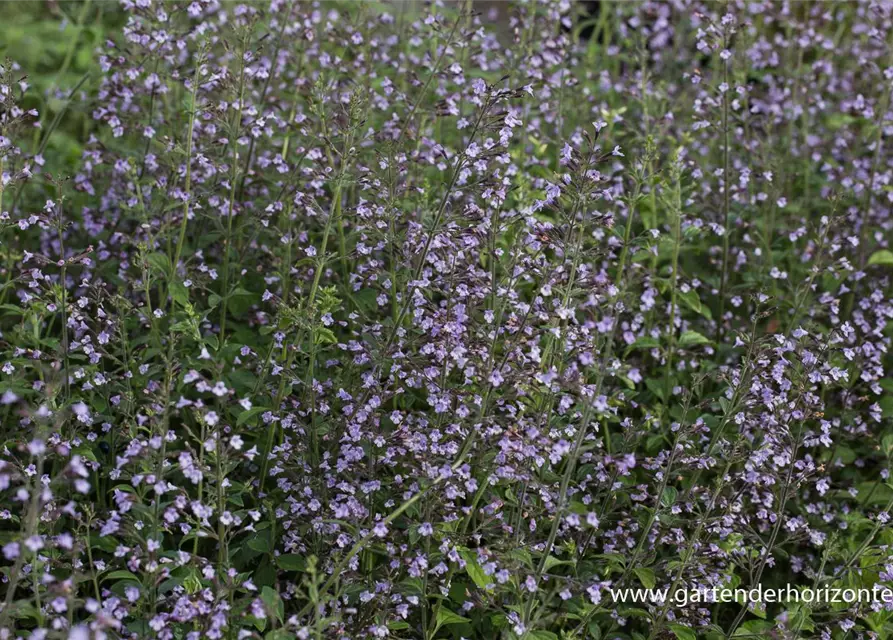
{"type": "Point", "coordinates": [397, 321]}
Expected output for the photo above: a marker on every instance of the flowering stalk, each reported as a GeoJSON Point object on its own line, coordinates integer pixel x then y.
{"type": "Point", "coordinates": [29, 531]}
{"type": "Point", "coordinates": [726, 190]}
{"type": "Point", "coordinates": [190, 132]}
{"type": "Point", "coordinates": [231, 208]}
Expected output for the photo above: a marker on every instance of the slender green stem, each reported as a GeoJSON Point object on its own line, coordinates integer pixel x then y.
{"type": "Point", "coordinates": [72, 44]}
{"type": "Point", "coordinates": [726, 199]}
{"type": "Point", "coordinates": [676, 221]}
{"type": "Point", "coordinates": [193, 109]}
{"type": "Point", "coordinates": [222, 555]}
{"type": "Point", "coordinates": [63, 276]}
{"type": "Point", "coordinates": [230, 213]}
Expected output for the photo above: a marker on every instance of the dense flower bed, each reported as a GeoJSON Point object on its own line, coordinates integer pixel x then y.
{"type": "Point", "coordinates": [360, 321]}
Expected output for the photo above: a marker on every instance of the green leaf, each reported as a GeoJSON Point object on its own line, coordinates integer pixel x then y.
{"type": "Point", "coordinates": [179, 293]}
{"type": "Point", "coordinates": [121, 574]}
{"type": "Point", "coordinates": [645, 576]}
{"type": "Point", "coordinates": [654, 443]}
{"type": "Point", "coordinates": [245, 416]}
{"type": "Point", "coordinates": [669, 496]}
{"type": "Point", "coordinates": [644, 342]}
{"type": "Point", "coordinates": [291, 562]}
{"type": "Point", "coordinates": [656, 387]}
{"type": "Point", "coordinates": [170, 584]}
{"type": "Point", "coordinates": [522, 555]}
{"type": "Point", "coordinates": [542, 635]}
{"type": "Point", "coordinates": [691, 338]}
{"type": "Point", "coordinates": [887, 443]}
{"type": "Point", "coordinates": [324, 335]}
{"type": "Point", "coordinates": [261, 544]}
{"type": "Point", "coordinates": [595, 630]}
{"type": "Point", "coordinates": [872, 493]}
{"type": "Point", "coordinates": [398, 625]}
{"type": "Point", "coordinates": [683, 632]}
{"type": "Point", "coordinates": [273, 601]}
{"type": "Point", "coordinates": [85, 452]}
{"type": "Point", "coordinates": [474, 569]}
{"type": "Point", "coordinates": [445, 617]}
{"type": "Point", "coordinates": [160, 263]}
{"type": "Point", "coordinates": [754, 628]}
{"type": "Point", "coordinates": [552, 561]}
{"type": "Point", "coordinates": [693, 301]}
{"type": "Point", "coordinates": [192, 584]}
{"type": "Point", "coordinates": [882, 257]}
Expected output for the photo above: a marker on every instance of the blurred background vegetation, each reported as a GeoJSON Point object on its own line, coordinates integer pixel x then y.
{"type": "Point", "coordinates": [53, 47]}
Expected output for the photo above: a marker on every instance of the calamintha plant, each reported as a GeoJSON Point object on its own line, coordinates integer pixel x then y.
{"type": "Point", "coordinates": [436, 320]}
